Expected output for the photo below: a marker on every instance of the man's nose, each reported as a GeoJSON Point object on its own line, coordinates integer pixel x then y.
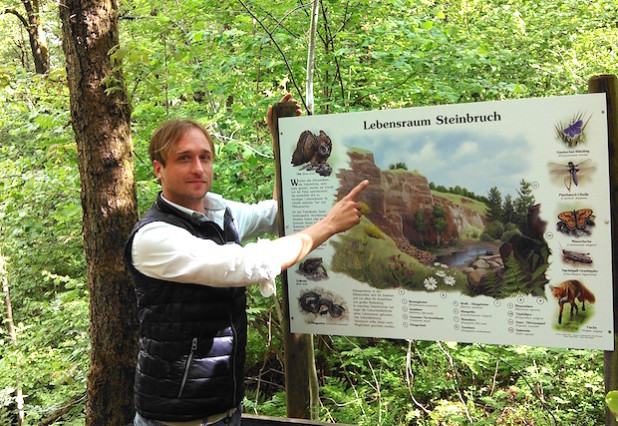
{"type": "Point", "coordinates": [197, 166]}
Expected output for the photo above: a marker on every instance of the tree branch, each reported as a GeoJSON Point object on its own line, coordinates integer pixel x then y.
{"type": "Point", "coordinates": [12, 11]}
{"type": "Point", "coordinates": [331, 40]}
{"type": "Point", "coordinates": [455, 374]}
{"type": "Point", "coordinates": [387, 89]}
{"type": "Point", "coordinates": [300, 94]}
{"type": "Point", "coordinates": [63, 410]}
{"type": "Point", "coordinates": [523, 377]}
{"type": "Point", "coordinates": [279, 23]}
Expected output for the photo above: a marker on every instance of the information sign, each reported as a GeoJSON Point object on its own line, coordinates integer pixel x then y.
{"type": "Point", "coordinates": [485, 222]}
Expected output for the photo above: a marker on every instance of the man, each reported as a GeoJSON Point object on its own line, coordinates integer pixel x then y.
{"type": "Point", "coordinates": [190, 275]}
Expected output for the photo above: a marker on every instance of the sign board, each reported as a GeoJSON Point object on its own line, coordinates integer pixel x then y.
{"type": "Point", "coordinates": [486, 222]}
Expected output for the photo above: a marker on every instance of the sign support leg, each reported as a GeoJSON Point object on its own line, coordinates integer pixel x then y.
{"type": "Point", "coordinates": [301, 388]}
{"type": "Point", "coordinates": [608, 84]}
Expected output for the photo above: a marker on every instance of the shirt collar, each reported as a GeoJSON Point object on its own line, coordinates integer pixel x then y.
{"type": "Point", "coordinates": [214, 205]}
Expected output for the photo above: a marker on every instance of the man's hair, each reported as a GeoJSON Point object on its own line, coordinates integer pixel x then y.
{"type": "Point", "coordinates": [167, 136]}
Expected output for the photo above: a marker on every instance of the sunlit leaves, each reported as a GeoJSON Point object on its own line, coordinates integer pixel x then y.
{"type": "Point", "coordinates": [211, 61]}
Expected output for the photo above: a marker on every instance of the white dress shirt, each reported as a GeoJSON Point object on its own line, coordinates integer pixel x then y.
{"type": "Point", "coordinates": [164, 251]}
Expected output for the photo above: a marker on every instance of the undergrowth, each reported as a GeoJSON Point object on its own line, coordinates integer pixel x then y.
{"type": "Point", "coordinates": [368, 381]}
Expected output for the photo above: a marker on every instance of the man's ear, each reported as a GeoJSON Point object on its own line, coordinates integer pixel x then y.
{"type": "Point", "coordinates": [157, 166]}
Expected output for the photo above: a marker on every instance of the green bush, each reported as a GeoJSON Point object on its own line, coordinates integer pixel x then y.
{"type": "Point", "coordinates": [494, 229]}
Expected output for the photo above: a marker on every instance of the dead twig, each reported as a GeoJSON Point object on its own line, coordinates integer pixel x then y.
{"type": "Point", "coordinates": [410, 378]}
{"type": "Point", "coordinates": [347, 376]}
{"type": "Point", "coordinates": [523, 377]}
{"type": "Point", "coordinates": [63, 410]}
{"type": "Point", "coordinates": [455, 373]}
{"type": "Point", "coordinates": [375, 378]}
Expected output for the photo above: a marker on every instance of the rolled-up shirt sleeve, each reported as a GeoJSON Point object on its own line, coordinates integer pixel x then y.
{"type": "Point", "coordinates": [163, 251]}
{"type": "Point", "coordinates": [253, 220]}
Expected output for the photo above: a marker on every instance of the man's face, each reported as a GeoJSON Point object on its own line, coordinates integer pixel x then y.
{"type": "Point", "coordinates": [187, 174]}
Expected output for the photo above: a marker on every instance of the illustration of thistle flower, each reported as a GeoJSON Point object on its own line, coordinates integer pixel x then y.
{"type": "Point", "coordinates": [430, 283]}
{"type": "Point", "coordinates": [399, 272]}
{"type": "Point", "coordinates": [573, 133]}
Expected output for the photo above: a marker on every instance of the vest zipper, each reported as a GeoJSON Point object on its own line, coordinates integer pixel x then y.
{"type": "Point", "coordinates": [235, 337]}
{"type": "Point", "coordinates": [187, 366]}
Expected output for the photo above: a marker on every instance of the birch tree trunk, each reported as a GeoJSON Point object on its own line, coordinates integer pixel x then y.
{"type": "Point", "coordinates": [10, 327]}
{"type": "Point", "coordinates": [311, 56]}
{"type": "Point", "coordinates": [314, 389]}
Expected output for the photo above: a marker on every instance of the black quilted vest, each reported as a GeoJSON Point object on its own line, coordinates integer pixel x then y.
{"type": "Point", "coordinates": [192, 338]}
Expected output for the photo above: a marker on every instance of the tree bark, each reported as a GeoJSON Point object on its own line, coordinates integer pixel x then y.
{"type": "Point", "coordinates": [101, 122]}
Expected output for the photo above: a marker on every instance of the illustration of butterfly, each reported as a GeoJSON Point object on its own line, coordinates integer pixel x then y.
{"type": "Point", "coordinates": [573, 133]}
{"type": "Point", "coordinates": [570, 172]}
{"type": "Point", "coordinates": [574, 129]}
{"type": "Point", "coordinates": [575, 219]}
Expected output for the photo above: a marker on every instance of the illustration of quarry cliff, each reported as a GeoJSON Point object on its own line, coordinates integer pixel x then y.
{"type": "Point", "coordinates": [408, 229]}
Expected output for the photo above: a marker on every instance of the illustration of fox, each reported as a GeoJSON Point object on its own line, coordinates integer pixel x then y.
{"type": "Point", "coordinates": [569, 290]}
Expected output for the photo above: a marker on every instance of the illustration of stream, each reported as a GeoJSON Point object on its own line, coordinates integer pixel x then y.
{"type": "Point", "coordinates": [463, 256]}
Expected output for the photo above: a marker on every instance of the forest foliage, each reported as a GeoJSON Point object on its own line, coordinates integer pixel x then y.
{"type": "Point", "coordinates": [223, 63]}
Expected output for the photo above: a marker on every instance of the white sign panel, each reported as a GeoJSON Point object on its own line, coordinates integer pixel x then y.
{"type": "Point", "coordinates": [485, 222]}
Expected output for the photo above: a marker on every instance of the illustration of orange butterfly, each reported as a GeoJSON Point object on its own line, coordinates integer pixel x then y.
{"type": "Point", "coordinates": [575, 218]}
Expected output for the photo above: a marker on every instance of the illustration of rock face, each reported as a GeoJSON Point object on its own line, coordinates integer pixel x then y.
{"type": "Point", "coordinates": [363, 167]}
{"type": "Point", "coordinates": [394, 197]}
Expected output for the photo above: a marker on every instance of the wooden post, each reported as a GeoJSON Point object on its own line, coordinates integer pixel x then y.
{"type": "Point", "coordinates": [298, 348]}
{"type": "Point", "coordinates": [608, 84]}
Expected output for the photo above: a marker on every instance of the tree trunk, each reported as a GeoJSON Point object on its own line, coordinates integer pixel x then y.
{"type": "Point", "coordinates": [10, 328]}
{"type": "Point", "coordinates": [38, 40]}
{"type": "Point", "coordinates": [306, 342]}
{"type": "Point", "coordinates": [101, 122]}
{"type": "Point", "coordinates": [311, 57]}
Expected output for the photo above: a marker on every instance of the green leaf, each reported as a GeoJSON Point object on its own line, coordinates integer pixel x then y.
{"type": "Point", "coordinates": [58, 75]}
{"type": "Point", "coordinates": [198, 36]}
{"type": "Point", "coordinates": [482, 49]}
{"type": "Point", "coordinates": [427, 25]}
{"type": "Point", "coordinates": [46, 122]}
{"type": "Point", "coordinates": [118, 53]}
{"type": "Point", "coordinates": [540, 271]}
{"type": "Point", "coordinates": [516, 88]}
{"type": "Point", "coordinates": [611, 399]}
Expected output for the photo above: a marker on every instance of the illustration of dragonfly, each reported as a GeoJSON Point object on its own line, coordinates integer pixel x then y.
{"type": "Point", "coordinates": [570, 172]}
